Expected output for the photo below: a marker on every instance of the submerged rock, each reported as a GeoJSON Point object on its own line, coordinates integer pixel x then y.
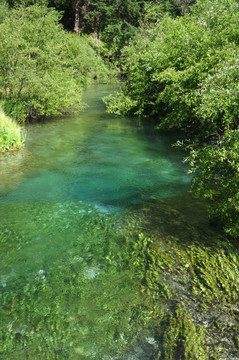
{"type": "Point", "coordinates": [91, 272]}
{"type": "Point", "coordinates": [41, 274]}
{"type": "Point", "coordinates": [142, 348]}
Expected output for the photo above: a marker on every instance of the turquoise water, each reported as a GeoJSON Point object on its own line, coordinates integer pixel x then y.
{"type": "Point", "coordinates": [60, 201]}
{"type": "Point", "coordinates": [109, 162]}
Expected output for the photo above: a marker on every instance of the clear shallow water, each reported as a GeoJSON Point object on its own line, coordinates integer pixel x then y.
{"type": "Point", "coordinates": [106, 161]}
{"type": "Point", "coordinates": [59, 199]}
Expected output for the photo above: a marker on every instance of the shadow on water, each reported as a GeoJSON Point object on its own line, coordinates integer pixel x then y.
{"type": "Point", "coordinates": [183, 217]}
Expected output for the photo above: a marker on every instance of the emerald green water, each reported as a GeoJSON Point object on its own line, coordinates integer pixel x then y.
{"type": "Point", "coordinates": [67, 288]}
{"type": "Point", "coordinates": [108, 162]}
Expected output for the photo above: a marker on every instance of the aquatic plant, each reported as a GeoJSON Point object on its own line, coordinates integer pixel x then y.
{"type": "Point", "coordinates": [188, 278]}
{"type": "Point", "coordinates": [80, 305]}
{"type": "Point", "coordinates": [93, 285]}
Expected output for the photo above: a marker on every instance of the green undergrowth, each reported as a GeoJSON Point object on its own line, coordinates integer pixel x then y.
{"type": "Point", "coordinates": [10, 133]}
{"type": "Point", "coordinates": [94, 286]}
{"type": "Point", "coordinates": [89, 67]}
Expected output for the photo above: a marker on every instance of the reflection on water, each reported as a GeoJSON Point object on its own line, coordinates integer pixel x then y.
{"type": "Point", "coordinates": [64, 295]}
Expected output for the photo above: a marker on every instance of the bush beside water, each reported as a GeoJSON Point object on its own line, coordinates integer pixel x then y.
{"type": "Point", "coordinates": [183, 71]}
{"type": "Point", "coordinates": [43, 69]}
{"type": "Point", "coordinates": [10, 133]}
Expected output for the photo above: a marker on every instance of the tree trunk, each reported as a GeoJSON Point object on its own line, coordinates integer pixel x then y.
{"type": "Point", "coordinates": [96, 27]}
{"type": "Point", "coordinates": [77, 17]}
{"type": "Point", "coordinates": [81, 9]}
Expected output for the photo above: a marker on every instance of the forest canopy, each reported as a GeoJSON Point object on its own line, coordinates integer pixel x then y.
{"type": "Point", "coordinates": [111, 22]}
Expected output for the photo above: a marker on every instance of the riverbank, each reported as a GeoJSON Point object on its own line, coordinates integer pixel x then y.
{"type": "Point", "coordinates": [11, 136]}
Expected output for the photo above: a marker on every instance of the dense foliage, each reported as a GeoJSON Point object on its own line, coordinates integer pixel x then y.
{"type": "Point", "coordinates": [184, 72]}
{"type": "Point", "coordinates": [42, 68]}
{"type": "Point", "coordinates": [217, 179]}
{"type": "Point", "coordinates": [110, 23]}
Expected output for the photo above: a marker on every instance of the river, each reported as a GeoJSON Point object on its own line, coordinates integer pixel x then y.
{"type": "Point", "coordinates": [68, 287]}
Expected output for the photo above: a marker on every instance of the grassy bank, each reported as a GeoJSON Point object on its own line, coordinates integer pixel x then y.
{"type": "Point", "coordinates": [10, 133]}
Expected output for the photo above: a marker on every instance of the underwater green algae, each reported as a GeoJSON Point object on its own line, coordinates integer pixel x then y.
{"type": "Point", "coordinates": [78, 305]}
{"type": "Point", "coordinates": [190, 278]}
{"type": "Point", "coordinates": [122, 286]}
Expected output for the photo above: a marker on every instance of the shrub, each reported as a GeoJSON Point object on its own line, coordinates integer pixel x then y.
{"type": "Point", "coordinates": [184, 72]}
{"type": "Point", "coordinates": [43, 68]}
{"type": "Point", "coordinates": [217, 179]}
{"type": "Point", "coordinates": [10, 133]}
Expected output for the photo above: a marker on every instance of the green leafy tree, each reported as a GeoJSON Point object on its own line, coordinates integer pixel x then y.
{"type": "Point", "coordinates": [184, 72]}
{"type": "Point", "coordinates": [42, 68]}
{"type": "Point", "coordinates": [217, 179]}
{"type": "Point", "coordinates": [35, 78]}
{"type": "Point", "coordinates": [115, 22]}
